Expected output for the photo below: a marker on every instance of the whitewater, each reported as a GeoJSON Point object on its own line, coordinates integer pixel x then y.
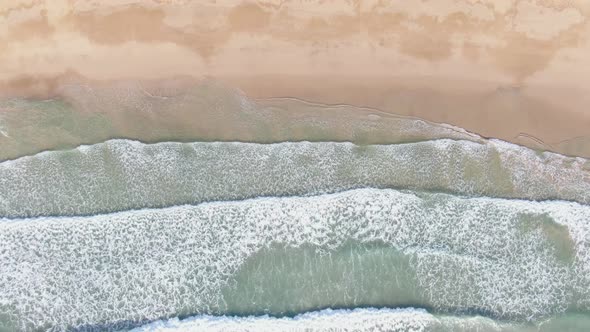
{"type": "Point", "coordinates": [123, 174]}
{"type": "Point", "coordinates": [436, 235]}
{"type": "Point", "coordinates": [508, 259]}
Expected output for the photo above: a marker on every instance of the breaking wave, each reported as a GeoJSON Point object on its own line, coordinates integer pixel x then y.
{"type": "Point", "coordinates": [507, 259]}
{"type": "Point", "coordinates": [120, 174]}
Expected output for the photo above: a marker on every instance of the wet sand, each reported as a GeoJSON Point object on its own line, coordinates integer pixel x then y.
{"type": "Point", "coordinates": [516, 70]}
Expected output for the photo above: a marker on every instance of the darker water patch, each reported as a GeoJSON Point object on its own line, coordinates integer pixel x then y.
{"type": "Point", "coordinates": [557, 235]}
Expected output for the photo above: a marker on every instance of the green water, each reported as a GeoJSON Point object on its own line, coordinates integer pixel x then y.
{"type": "Point", "coordinates": [287, 281]}
{"type": "Point", "coordinates": [407, 226]}
{"type": "Point", "coordinates": [120, 174]}
{"type": "Point", "coordinates": [510, 260]}
{"type": "Point", "coordinates": [206, 112]}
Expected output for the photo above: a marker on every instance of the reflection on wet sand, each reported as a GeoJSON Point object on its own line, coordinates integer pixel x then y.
{"type": "Point", "coordinates": [493, 67]}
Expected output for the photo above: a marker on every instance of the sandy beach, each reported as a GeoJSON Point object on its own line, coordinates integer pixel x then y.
{"type": "Point", "coordinates": [515, 70]}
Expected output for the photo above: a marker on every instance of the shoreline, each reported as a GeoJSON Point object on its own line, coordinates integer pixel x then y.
{"type": "Point", "coordinates": [339, 103]}
{"type": "Point", "coordinates": [490, 67]}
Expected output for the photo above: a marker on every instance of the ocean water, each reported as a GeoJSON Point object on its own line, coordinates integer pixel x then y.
{"type": "Point", "coordinates": [120, 174]}
{"type": "Point", "coordinates": [407, 226]}
{"type": "Point", "coordinates": [504, 259]}
{"type": "Point", "coordinates": [206, 112]}
{"type": "Point", "coordinates": [374, 320]}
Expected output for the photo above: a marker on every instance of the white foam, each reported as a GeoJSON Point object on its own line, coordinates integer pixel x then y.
{"type": "Point", "coordinates": [120, 174]}
{"type": "Point", "coordinates": [468, 254]}
{"type": "Point", "coordinates": [3, 130]}
{"type": "Point", "coordinates": [533, 169]}
{"type": "Point", "coordinates": [375, 320]}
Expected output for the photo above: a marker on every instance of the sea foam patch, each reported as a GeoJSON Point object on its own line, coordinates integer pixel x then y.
{"type": "Point", "coordinates": [508, 259]}
{"type": "Point", "coordinates": [375, 320]}
{"type": "Point", "coordinates": [121, 174]}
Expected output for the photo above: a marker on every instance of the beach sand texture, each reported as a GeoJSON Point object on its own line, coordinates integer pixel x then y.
{"type": "Point", "coordinates": [515, 70]}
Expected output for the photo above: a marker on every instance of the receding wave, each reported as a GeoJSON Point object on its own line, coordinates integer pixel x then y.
{"type": "Point", "coordinates": [506, 259]}
{"type": "Point", "coordinates": [207, 111]}
{"type": "Point", "coordinates": [118, 234]}
{"type": "Point", "coordinates": [121, 174]}
{"type": "Point", "coordinates": [361, 320]}
{"type": "Point", "coordinates": [374, 320]}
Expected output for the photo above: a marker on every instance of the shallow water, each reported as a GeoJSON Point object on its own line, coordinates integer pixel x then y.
{"type": "Point", "coordinates": [366, 319]}
{"type": "Point", "coordinates": [205, 112]}
{"type": "Point", "coordinates": [366, 247]}
{"type": "Point", "coordinates": [121, 174]}
{"type": "Point", "coordinates": [411, 226]}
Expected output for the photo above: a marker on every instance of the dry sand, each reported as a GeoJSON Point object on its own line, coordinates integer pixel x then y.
{"type": "Point", "coordinates": [516, 70]}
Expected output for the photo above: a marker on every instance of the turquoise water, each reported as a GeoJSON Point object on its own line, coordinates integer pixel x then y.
{"type": "Point", "coordinates": [120, 174]}
{"type": "Point", "coordinates": [511, 260]}
{"type": "Point", "coordinates": [437, 230]}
